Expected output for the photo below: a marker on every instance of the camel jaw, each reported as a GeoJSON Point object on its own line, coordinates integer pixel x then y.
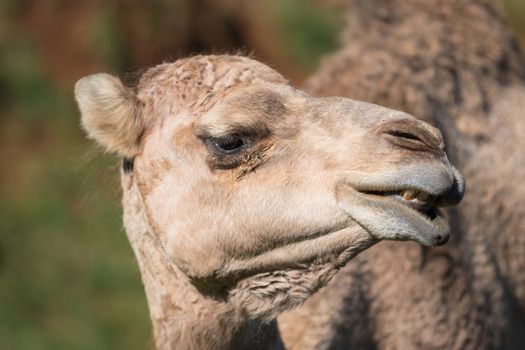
{"type": "Point", "coordinates": [396, 215]}
{"type": "Point", "coordinates": [265, 294]}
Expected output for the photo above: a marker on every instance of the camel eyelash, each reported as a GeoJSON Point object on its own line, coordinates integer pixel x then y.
{"type": "Point", "coordinates": [229, 144]}
{"type": "Point", "coordinates": [231, 150]}
{"type": "Point", "coordinates": [227, 152]}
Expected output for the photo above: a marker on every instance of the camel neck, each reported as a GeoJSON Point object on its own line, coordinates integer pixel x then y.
{"type": "Point", "coordinates": [392, 12]}
{"type": "Point", "coordinates": [182, 316]}
{"type": "Point", "coordinates": [417, 31]}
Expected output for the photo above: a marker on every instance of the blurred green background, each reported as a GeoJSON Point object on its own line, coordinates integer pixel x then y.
{"type": "Point", "coordinates": [68, 279]}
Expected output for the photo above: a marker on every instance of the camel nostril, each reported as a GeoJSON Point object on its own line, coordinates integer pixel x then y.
{"type": "Point", "coordinates": [441, 239]}
{"type": "Point", "coordinates": [404, 135]}
{"type": "Point", "coordinates": [411, 134]}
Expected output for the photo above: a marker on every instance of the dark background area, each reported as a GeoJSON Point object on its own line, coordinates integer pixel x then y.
{"type": "Point", "coordinates": [68, 279]}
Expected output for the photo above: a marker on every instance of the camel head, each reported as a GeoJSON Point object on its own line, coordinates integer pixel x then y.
{"type": "Point", "coordinates": [257, 191]}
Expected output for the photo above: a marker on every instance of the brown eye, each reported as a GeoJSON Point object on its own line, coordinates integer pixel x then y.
{"type": "Point", "coordinates": [229, 144]}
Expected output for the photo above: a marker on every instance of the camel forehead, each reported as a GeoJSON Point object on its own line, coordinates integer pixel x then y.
{"type": "Point", "coordinates": [280, 106]}
{"type": "Point", "coordinates": [199, 82]}
{"type": "Point", "coordinates": [210, 70]}
{"type": "Point", "coordinates": [222, 93]}
{"type": "Point", "coordinates": [251, 109]}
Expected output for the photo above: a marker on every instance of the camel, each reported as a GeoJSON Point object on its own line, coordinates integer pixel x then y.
{"type": "Point", "coordinates": [242, 196]}
{"type": "Point", "coordinates": [455, 65]}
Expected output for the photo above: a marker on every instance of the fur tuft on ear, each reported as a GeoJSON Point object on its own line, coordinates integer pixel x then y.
{"type": "Point", "coordinates": [111, 113]}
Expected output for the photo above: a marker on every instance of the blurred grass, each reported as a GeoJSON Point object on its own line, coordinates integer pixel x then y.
{"type": "Point", "coordinates": [515, 11]}
{"type": "Point", "coordinates": [308, 33]}
{"type": "Point", "coordinates": [68, 279]}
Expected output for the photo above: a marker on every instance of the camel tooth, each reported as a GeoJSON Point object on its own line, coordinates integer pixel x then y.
{"type": "Point", "coordinates": [409, 195]}
{"type": "Point", "coordinates": [423, 196]}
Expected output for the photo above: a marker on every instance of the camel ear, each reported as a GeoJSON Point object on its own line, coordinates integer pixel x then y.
{"type": "Point", "coordinates": [111, 113]}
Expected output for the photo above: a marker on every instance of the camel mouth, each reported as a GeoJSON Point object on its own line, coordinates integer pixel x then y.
{"type": "Point", "coordinates": [400, 214]}
{"type": "Point", "coordinates": [419, 200]}
{"type": "Point", "coordinates": [418, 207]}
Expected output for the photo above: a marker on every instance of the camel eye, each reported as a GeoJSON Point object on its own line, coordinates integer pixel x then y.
{"type": "Point", "coordinates": [229, 144]}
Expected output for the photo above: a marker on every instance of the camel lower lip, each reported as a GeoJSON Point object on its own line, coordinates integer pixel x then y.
{"type": "Point", "coordinates": [429, 214]}
{"type": "Point", "coordinates": [390, 218]}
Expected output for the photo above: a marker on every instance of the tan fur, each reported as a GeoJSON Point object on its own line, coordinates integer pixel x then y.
{"type": "Point", "coordinates": [111, 113]}
{"type": "Point", "coordinates": [454, 64]}
{"type": "Point", "coordinates": [226, 241]}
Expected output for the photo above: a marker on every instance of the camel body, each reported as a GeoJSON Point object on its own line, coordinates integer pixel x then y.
{"type": "Point", "coordinates": [455, 65]}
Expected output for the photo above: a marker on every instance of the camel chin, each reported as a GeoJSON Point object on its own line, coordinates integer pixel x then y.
{"type": "Point", "coordinates": [267, 294]}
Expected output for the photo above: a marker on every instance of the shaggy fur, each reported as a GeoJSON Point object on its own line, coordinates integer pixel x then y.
{"type": "Point", "coordinates": [457, 66]}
